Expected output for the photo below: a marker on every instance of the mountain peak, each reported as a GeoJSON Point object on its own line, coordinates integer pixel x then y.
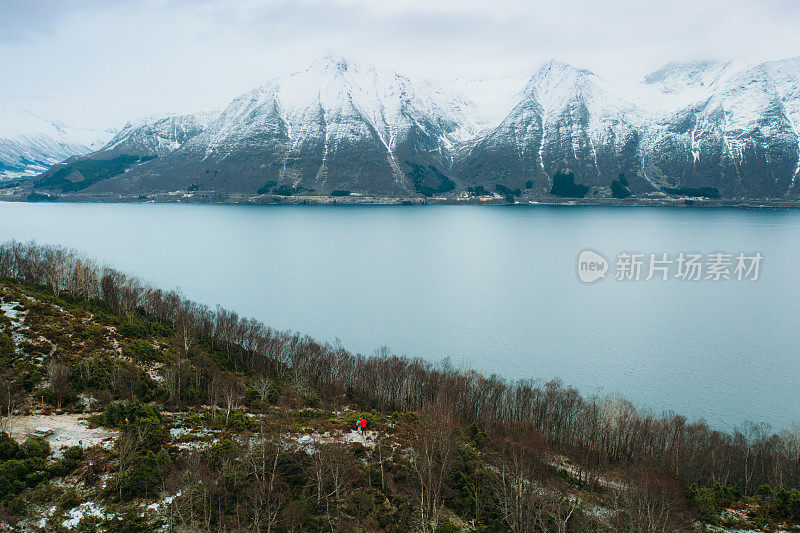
{"type": "Point", "coordinates": [555, 68]}
{"type": "Point", "coordinates": [556, 75]}
{"type": "Point", "coordinates": [331, 61]}
{"type": "Point", "coordinates": [556, 83]}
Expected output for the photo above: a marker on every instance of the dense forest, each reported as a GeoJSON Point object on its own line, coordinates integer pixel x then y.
{"type": "Point", "coordinates": [218, 422]}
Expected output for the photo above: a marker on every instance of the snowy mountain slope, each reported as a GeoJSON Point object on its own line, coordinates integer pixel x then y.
{"type": "Point", "coordinates": [786, 76]}
{"type": "Point", "coordinates": [387, 102]}
{"type": "Point", "coordinates": [731, 129]}
{"type": "Point", "coordinates": [715, 127]}
{"type": "Point", "coordinates": [135, 144]}
{"type": "Point", "coordinates": [678, 85]}
{"type": "Point", "coordinates": [157, 136]}
{"type": "Point", "coordinates": [735, 133]}
{"type": "Point", "coordinates": [568, 120]}
{"type": "Point", "coordinates": [336, 125]}
{"type": "Point", "coordinates": [587, 128]}
{"type": "Point", "coordinates": [29, 144]}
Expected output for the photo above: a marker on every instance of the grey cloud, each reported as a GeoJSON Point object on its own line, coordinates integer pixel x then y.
{"type": "Point", "coordinates": [106, 62]}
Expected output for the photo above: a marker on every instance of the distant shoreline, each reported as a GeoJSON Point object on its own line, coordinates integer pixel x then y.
{"type": "Point", "coordinates": [241, 199]}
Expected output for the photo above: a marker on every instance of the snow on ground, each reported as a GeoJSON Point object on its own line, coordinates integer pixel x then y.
{"type": "Point", "coordinates": [199, 438]}
{"type": "Point", "coordinates": [69, 430]}
{"type": "Point", "coordinates": [19, 330]}
{"type": "Point", "coordinates": [720, 529]}
{"type": "Point", "coordinates": [737, 516]}
{"type": "Point", "coordinates": [47, 514]}
{"type": "Point", "coordinates": [17, 319]}
{"type": "Point", "coordinates": [154, 374]}
{"type": "Point", "coordinates": [116, 346]}
{"type": "Point", "coordinates": [308, 441]}
{"type": "Point", "coordinates": [84, 509]}
{"type": "Point", "coordinates": [602, 513]}
{"type": "Point", "coordinates": [177, 433]}
{"type": "Point", "coordinates": [9, 309]}
{"type": "Point", "coordinates": [165, 502]}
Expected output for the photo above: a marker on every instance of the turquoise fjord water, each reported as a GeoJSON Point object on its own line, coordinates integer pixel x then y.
{"type": "Point", "coordinates": [492, 288]}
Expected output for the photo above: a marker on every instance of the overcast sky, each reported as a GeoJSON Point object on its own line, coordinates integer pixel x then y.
{"type": "Point", "coordinates": [100, 63]}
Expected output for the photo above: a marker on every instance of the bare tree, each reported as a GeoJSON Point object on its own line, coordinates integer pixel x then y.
{"type": "Point", "coordinates": [652, 504]}
{"type": "Point", "coordinates": [268, 495]}
{"type": "Point", "coordinates": [263, 387]}
{"type": "Point", "coordinates": [433, 446]}
{"type": "Point", "coordinates": [58, 374]}
{"type": "Point", "coordinates": [232, 392]}
{"type": "Point", "coordinates": [520, 465]}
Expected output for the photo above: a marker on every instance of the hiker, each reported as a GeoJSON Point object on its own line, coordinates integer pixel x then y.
{"type": "Point", "coordinates": [364, 426]}
{"type": "Point", "coordinates": [358, 424]}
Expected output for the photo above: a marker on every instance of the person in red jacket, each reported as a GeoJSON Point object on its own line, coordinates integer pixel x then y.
{"type": "Point", "coordinates": [363, 426]}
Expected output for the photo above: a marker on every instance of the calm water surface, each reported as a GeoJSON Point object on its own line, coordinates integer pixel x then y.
{"type": "Point", "coordinates": [492, 288]}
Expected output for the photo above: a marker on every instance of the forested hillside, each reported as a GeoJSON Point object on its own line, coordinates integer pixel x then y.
{"type": "Point", "coordinates": [170, 415]}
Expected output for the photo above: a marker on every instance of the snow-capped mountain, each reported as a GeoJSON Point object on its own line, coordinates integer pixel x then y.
{"type": "Point", "coordinates": [334, 90]}
{"type": "Point", "coordinates": [158, 136]}
{"type": "Point", "coordinates": [709, 128]}
{"type": "Point", "coordinates": [568, 120]}
{"type": "Point", "coordinates": [340, 125]}
{"type": "Point", "coordinates": [732, 127]}
{"type": "Point", "coordinates": [30, 144]}
{"type": "Point", "coordinates": [135, 144]}
{"type": "Point", "coordinates": [721, 128]}
{"type": "Point", "coordinates": [336, 125]}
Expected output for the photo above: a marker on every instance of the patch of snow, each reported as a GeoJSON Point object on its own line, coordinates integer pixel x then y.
{"type": "Point", "coordinates": [165, 502]}
{"type": "Point", "coordinates": [46, 516]}
{"type": "Point", "coordinates": [17, 319]}
{"type": "Point", "coordinates": [309, 441]}
{"type": "Point", "coordinates": [83, 510]}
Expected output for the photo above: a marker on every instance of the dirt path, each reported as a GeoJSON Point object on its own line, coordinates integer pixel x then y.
{"type": "Point", "coordinates": [70, 430]}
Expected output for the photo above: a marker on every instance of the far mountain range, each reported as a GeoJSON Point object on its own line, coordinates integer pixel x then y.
{"type": "Point", "coordinates": [714, 130]}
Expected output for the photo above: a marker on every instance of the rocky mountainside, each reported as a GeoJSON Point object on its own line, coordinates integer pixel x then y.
{"type": "Point", "coordinates": [702, 129]}
{"type": "Point", "coordinates": [337, 125]}
{"type": "Point", "coordinates": [568, 120]}
{"type": "Point", "coordinates": [30, 144]}
{"type": "Point", "coordinates": [156, 136]}
{"type": "Point", "coordinates": [730, 127]}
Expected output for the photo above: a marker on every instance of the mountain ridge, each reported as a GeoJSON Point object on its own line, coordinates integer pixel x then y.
{"type": "Point", "coordinates": [692, 129]}
{"type": "Point", "coordinates": [30, 144]}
